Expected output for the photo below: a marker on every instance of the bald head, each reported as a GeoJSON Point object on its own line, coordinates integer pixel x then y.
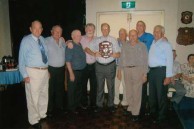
{"type": "Point", "coordinates": [133, 37]}
{"type": "Point", "coordinates": [76, 36]}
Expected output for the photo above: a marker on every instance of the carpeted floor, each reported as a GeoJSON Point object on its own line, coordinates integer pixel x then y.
{"type": "Point", "coordinates": [13, 114]}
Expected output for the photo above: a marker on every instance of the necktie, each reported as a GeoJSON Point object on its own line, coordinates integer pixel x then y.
{"type": "Point", "coordinates": [44, 58]}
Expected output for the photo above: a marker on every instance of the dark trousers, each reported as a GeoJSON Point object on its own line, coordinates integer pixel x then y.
{"type": "Point", "coordinates": [158, 92]}
{"type": "Point", "coordinates": [185, 111]}
{"type": "Point", "coordinates": [56, 87]}
{"type": "Point", "coordinates": [105, 72]}
{"type": "Point", "coordinates": [75, 90]}
{"type": "Point", "coordinates": [144, 98]}
{"type": "Point", "coordinates": [89, 74]}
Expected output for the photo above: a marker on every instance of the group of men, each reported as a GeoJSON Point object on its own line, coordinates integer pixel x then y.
{"type": "Point", "coordinates": [42, 64]}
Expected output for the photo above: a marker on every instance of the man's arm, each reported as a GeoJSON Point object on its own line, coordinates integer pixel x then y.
{"type": "Point", "coordinates": [116, 55]}
{"type": "Point", "coordinates": [71, 74]}
{"type": "Point", "coordinates": [95, 54]}
{"type": "Point", "coordinates": [116, 49]}
{"type": "Point", "coordinates": [169, 64]}
{"type": "Point", "coordinates": [22, 61]}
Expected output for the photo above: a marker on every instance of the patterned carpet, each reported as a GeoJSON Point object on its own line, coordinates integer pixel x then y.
{"type": "Point", "coordinates": [106, 120]}
{"type": "Point", "coordinates": [13, 115]}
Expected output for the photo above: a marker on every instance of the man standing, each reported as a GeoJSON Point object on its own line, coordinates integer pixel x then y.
{"type": "Point", "coordinates": [119, 79]}
{"type": "Point", "coordinates": [134, 60]}
{"type": "Point", "coordinates": [147, 39]}
{"type": "Point", "coordinates": [161, 64]}
{"type": "Point", "coordinates": [89, 72]}
{"type": "Point", "coordinates": [76, 62]}
{"type": "Point", "coordinates": [33, 66]}
{"type": "Point", "coordinates": [105, 49]}
{"type": "Point", "coordinates": [56, 60]}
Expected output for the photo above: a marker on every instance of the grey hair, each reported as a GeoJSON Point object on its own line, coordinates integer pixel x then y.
{"type": "Point", "coordinates": [74, 32]}
{"type": "Point", "coordinates": [123, 29]}
{"type": "Point", "coordinates": [90, 24]}
{"type": "Point", "coordinates": [55, 26]}
{"type": "Point", "coordinates": [161, 28]}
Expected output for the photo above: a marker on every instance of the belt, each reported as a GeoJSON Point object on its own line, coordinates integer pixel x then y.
{"type": "Point", "coordinates": [105, 64]}
{"type": "Point", "coordinates": [90, 63]}
{"type": "Point", "coordinates": [39, 68]}
{"type": "Point", "coordinates": [130, 66]}
{"type": "Point", "coordinates": [158, 67]}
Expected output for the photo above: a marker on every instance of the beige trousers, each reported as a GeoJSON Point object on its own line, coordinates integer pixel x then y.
{"type": "Point", "coordinates": [133, 82]}
{"type": "Point", "coordinates": [118, 83]}
{"type": "Point", "coordinates": [37, 94]}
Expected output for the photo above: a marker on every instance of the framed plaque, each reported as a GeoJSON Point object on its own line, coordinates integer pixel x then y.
{"type": "Point", "coordinates": [106, 49]}
{"type": "Point", "coordinates": [186, 17]}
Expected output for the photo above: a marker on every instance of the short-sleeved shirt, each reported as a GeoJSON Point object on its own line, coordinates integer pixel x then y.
{"type": "Point", "coordinates": [147, 39]}
{"type": "Point", "coordinates": [120, 45]}
{"type": "Point", "coordinates": [56, 52]}
{"type": "Point", "coordinates": [189, 86]}
{"type": "Point", "coordinates": [94, 46]}
{"type": "Point", "coordinates": [76, 56]}
{"type": "Point", "coordinates": [85, 42]}
{"type": "Point", "coordinates": [134, 56]}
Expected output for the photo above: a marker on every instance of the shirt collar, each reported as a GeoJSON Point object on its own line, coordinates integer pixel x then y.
{"type": "Point", "coordinates": [35, 38]}
{"type": "Point", "coordinates": [60, 41]}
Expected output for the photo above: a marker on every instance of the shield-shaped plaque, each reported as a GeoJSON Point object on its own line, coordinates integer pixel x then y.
{"type": "Point", "coordinates": [186, 17]}
{"type": "Point", "coordinates": [106, 49]}
{"type": "Point", "coordinates": [185, 36]}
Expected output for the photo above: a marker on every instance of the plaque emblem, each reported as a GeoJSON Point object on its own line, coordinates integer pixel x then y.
{"type": "Point", "coordinates": [186, 17]}
{"type": "Point", "coordinates": [185, 36]}
{"type": "Point", "coordinates": [106, 49]}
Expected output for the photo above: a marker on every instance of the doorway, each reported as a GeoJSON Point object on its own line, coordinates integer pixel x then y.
{"type": "Point", "coordinates": [128, 20]}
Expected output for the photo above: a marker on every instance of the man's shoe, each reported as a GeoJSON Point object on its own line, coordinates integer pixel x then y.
{"type": "Point", "coordinates": [126, 113]}
{"type": "Point", "coordinates": [116, 106]}
{"type": "Point", "coordinates": [49, 114]}
{"type": "Point", "coordinates": [84, 107]}
{"type": "Point", "coordinates": [36, 126]}
{"type": "Point", "coordinates": [112, 109]}
{"type": "Point", "coordinates": [42, 120]}
{"type": "Point", "coordinates": [75, 112]}
{"type": "Point", "coordinates": [157, 121]}
{"type": "Point", "coordinates": [98, 109]}
{"type": "Point", "coordinates": [135, 118]}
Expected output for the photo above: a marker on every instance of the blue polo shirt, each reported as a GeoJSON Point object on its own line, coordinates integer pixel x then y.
{"type": "Point", "coordinates": [147, 39]}
{"type": "Point", "coordinates": [76, 56]}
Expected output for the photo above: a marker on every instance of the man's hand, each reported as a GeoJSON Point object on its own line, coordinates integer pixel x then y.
{"type": "Point", "coordinates": [144, 78]}
{"type": "Point", "coordinates": [63, 39]}
{"type": "Point", "coordinates": [119, 76]}
{"type": "Point", "coordinates": [72, 77]}
{"type": "Point", "coordinates": [173, 80]}
{"type": "Point", "coordinates": [27, 80]}
{"type": "Point", "coordinates": [98, 54]}
{"type": "Point", "coordinates": [69, 44]}
{"type": "Point", "coordinates": [115, 55]}
{"type": "Point", "coordinates": [167, 81]}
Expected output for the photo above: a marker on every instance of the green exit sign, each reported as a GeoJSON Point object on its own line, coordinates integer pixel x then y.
{"type": "Point", "coordinates": [128, 4]}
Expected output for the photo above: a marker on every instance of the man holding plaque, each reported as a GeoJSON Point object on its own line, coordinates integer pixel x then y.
{"type": "Point", "coordinates": [105, 48]}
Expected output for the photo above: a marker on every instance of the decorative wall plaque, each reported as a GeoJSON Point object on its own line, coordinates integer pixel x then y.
{"type": "Point", "coordinates": [186, 17]}
{"type": "Point", "coordinates": [106, 49]}
{"type": "Point", "coordinates": [185, 36]}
